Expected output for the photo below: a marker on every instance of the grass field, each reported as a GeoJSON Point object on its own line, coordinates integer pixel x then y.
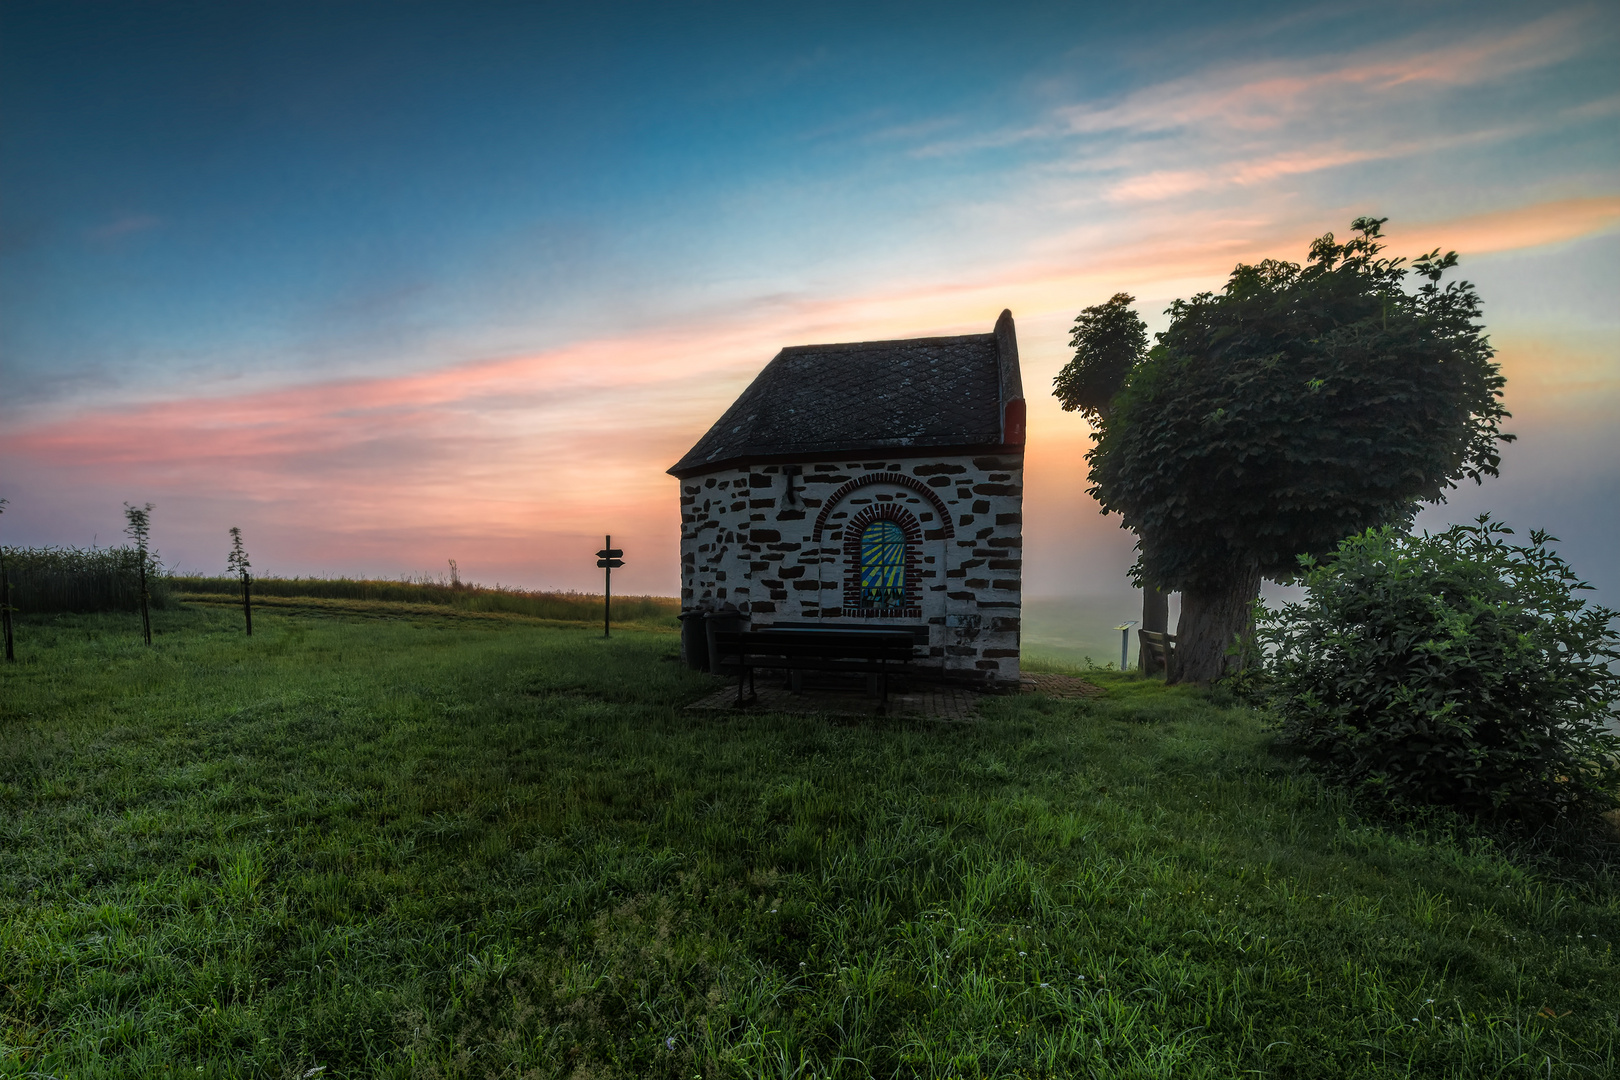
{"type": "Point", "coordinates": [357, 593]}
{"type": "Point", "coordinates": [417, 842]}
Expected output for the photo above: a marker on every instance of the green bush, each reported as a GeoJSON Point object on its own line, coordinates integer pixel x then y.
{"type": "Point", "coordinates": [1456, 670]}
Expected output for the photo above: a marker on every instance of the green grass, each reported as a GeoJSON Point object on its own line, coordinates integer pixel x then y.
{"type": "Point", "coordinates": [447, 845]}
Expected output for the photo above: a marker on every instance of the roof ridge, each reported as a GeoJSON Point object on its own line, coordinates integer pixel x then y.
{"type": "Point", "coordinates": [851, 346]}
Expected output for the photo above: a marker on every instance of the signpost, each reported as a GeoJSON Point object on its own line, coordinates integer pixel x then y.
{"type": "Point", "coordinates": [608, 558]}
{"type": "Point", "coordinates": [1124, 641]}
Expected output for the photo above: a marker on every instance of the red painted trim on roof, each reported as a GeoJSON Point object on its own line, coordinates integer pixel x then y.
{"type": "Point", "coordinates": [1012, 422]}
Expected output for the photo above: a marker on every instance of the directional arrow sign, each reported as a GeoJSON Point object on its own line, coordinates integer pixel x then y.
{"type": "Point", "coordinates": [610, 553]}
{"type": "Point", "coordinates": [611, 564]}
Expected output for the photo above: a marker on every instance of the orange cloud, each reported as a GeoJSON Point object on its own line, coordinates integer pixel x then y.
{"type": "Point", "coordinates": [1512, 229]}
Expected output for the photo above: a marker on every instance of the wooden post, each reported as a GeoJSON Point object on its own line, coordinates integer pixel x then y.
{"type": "Point", "coordinates": [247, 601]}
{"type": "Point", "coordinates": [607, 559]}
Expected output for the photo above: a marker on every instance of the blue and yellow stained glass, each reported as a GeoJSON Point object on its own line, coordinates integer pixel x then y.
{"type": "Point", "coordinates": [883, 565]}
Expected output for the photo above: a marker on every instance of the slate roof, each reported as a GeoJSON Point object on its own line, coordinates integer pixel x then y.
{"type": "Point", "coordinates": [837, 400]}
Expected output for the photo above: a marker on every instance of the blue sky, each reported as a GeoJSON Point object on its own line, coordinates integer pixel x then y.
{"type": "Point", "coordinates": [389, 284]}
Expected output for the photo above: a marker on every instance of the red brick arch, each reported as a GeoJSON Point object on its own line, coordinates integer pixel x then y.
{"type": "Point", "coordinates": [911, 605]}
{"type": "Point", "coordinates": [883, 478]}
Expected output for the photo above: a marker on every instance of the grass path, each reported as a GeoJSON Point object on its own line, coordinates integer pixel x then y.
{"type": "Point", "coordinates": [430, 846]}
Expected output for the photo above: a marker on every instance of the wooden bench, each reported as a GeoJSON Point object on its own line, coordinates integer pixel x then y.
{"type": "Point", "coordinates": [1158, 652]}
{"type": "Point", "coordinates": [872, 650]}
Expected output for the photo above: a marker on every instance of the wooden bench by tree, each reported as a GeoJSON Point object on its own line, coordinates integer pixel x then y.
{"type": "Point", "coordinates": [872, 651]}
{"type": "Point", "coordinates": [1158, 652]}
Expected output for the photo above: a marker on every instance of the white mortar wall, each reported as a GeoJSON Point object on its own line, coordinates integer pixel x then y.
{"type": "Point", "coordinates": [746, 542]}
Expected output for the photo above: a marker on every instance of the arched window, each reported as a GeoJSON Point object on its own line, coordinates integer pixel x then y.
{"type": "Point", "coordinates": [883, 565]}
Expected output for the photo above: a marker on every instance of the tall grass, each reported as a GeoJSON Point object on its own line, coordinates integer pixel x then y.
{"type": "Point", "coordinates": [562, 606]}
{"type": "Point", "coordinates": [51, 579]}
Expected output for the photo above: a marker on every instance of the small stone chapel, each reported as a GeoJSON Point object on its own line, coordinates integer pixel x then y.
{"type": "Point", "coordinates": [878, 483]}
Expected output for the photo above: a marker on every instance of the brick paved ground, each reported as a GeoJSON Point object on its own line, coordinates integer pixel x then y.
{"type": "Point", "coordinates": [929, 701]}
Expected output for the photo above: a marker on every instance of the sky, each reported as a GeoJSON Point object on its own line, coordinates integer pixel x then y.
{"type": "Point", "coordinates": [391, 284]}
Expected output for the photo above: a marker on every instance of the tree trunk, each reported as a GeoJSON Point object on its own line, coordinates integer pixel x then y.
{"type": "Point", "coordinates": [1212, 621]}
{"type": "Point", "coordinates": [1155, 620]}
{"type": "Point", "coordinates": [1155, 611]}
{"type": "Point", "coordinates": [146, 618]}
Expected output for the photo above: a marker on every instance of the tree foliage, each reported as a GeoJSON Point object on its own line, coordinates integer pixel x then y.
{"type": "Point", "coordinates": [1109, 340]}
{"type": "Point", "coordinates": [236, 562]}
{"type": "Point", "coordinates": [1456, 670]}
{"type": "Point", "coordinates": [1298, 406]}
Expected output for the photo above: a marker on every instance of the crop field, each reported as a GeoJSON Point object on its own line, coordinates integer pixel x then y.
{"type": "Point", "coordinates": [409, 840]}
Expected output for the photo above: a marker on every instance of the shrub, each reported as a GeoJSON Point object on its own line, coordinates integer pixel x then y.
{"type": "Point", "coordinates": [1456, 670]}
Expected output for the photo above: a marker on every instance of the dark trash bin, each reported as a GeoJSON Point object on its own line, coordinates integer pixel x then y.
{"type": "Point", "coordinates": [728, 620]}
{"type": "Point", "coordinates": [694, 640]}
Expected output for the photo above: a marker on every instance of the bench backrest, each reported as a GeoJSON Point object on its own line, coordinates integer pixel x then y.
{"type": "Point", "coordinates": [1158, 651]}
{"type": "Point", "coordinates": [816, 644]}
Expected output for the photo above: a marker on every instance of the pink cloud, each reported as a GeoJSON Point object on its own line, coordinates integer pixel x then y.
{"type": "Point", "coordinates": [515, 465]}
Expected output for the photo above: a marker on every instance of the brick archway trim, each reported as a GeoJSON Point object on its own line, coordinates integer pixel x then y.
{"type": "Point", "coordinates": [883, 478]}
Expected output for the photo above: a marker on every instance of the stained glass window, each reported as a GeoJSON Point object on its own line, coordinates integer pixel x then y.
{"type": "Point", "coordinates": [883, 565]}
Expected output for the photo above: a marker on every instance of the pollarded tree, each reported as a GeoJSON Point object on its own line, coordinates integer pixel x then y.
{"type": "Point", "coordinates": [1298, 406]}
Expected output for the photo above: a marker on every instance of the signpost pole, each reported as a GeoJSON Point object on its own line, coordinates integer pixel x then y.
{"type": "Point", "coordinates": [1124, 642]}
{"type": "Point", "coordinates": [607, 559]}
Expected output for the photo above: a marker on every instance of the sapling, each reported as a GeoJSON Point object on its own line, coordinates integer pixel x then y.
{"type": "Point", "coordinates": [237, 563]}
{"type": "Point", "coordinates": [138, 529]}
{"type": "Point", "coordinates": [5, 600]}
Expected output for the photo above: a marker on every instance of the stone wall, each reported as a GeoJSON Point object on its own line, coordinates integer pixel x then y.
{"type": "Point", "coordinates": [782, 543]}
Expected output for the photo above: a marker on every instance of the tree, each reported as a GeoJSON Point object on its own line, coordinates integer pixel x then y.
{"type": "Point", "coordinates": [5, 600]}
{"type": "Point", "coordinates": [237, 563]}
{"type": "Point", "coordinates": [1298, 406]}
{"type": "Point", "coordinates": [139, 528]}
{"type": "Point", "coordinates": [1109, 341]}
